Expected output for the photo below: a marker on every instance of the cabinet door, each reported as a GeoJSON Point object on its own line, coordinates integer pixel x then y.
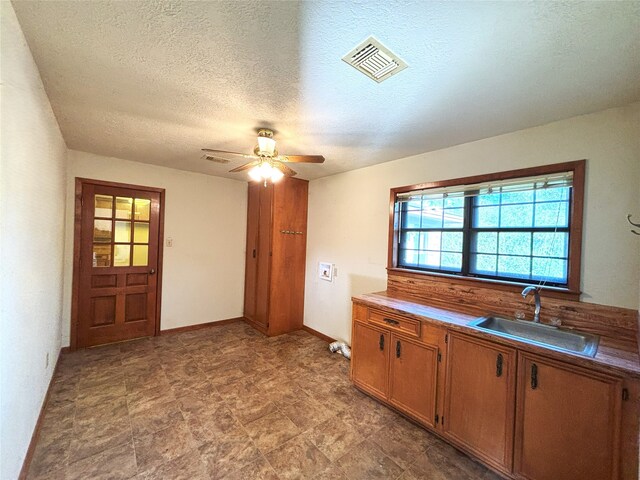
{"type": "Point", "coordinates": [567, 423]}
{"type": "Point", "coordinates": [480, 399]}
{"type": "Point", "coordinates": [370, 359]}
{"type": "Point", "coordinates": [263, 275]}
{"type": "Point", "coordinates": [413, 378]}
{"type": "Point", "coordinates": [251, 258]}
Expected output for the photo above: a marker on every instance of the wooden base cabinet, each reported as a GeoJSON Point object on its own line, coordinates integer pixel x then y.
{"type": "Point", "coordinates": [397, 367]}
{"type": "Point", "coordinates": [480, 399]}
{"type": "Point", "coordinates": [567, 423]}
{"type": "Point", "coordinates": [275, 256]}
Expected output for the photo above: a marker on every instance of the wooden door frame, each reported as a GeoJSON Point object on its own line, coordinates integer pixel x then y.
{"type": "Point", "coordinates": [77, 236]}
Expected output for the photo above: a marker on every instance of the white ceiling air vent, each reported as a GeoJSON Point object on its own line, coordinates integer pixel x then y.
{"type": "Point", "coordinates": [211, 158]}
{"type": "Point", "coordinates": [374, 60]}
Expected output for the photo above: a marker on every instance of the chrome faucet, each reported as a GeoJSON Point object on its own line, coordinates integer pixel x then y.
{"type": "Point", "coordinates": [536, 296]}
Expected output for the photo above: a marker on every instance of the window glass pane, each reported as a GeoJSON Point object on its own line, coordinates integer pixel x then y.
{"type": "Point", "coordinates": [414, 204]}
{"type": "Point", "coordinates": [123, 207]}
{"type": "Point", "coordinates": [486, 217]}
{"type": "Point", "coordinates": [487, 199]}
{"type": "Point", "coordinates": [141, 233]}
{"type": "Point", "coordinates": [140, 255]}
{"type": "Point", "coordinates": [143, 206]}
{"type": "Point", "coordinates": [430, 259]}
{"type": "Point", "coordinates": [103, 206]}
{"type": "Point", "coordinates": [123, 231]}
{"type": "Point", "coordinates": [430, 240]}
{"type": "Point", "coordinates": [452, 242]}
{"type": "Point", "coordinates": [549, 269]}
{"type": "Point", "coordinates": [516, 267]}
{"type": "Point", "coordinates": [550, 244]}
{"type": "Point", "coordinates": [516, 215]}
{"type": "Point", "coordinates": [411, 219]}
{"type": "Point", "coordinates": [517, 197]}
{"type": "Point", "coordinates": [454, 202]}
{"type": "Point", "coordinates": [485, 242]}
{"type": "Point", "coordinates": [453, 217]}
{"type": "Point", "coordinates": [451, 261]}
{"type": "Point", "coordinates": [409, 257]}
{"type": "Point", "coordinates": [102, 231]}
{"type": "Point", "coordinates": [551, 194]}
{"type": "Point", "coordinates": [514, 243]}
{"type": "Point", "coordinates": [484, 264]}
{"type": "Point", "coordinates": [121, 255]}
{"type": "Point", "coordinates": [409, 240]}
{"type": "Point", "coordinates": [432, 218]}
{"type": "Point", "coordinates": [101, 255]}
{"type": "Point", "coordinates": [552, 214]}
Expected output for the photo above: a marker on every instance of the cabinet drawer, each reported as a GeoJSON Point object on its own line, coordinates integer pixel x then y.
{"type": "Point", "coordinates": [395, 322]}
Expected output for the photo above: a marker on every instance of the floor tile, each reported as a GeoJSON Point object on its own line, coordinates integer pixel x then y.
{"type": "Point", "coordinates": [367, 462]}
{"type": "Point", "coordinates": [156, 418]}
{"type": "Point", "coordinates": [298, 458]}
{"type": "Point", "coordinates": [216, 422]}
{"type": "Point", "coordinates": [114, 464]}
{"type": "Point", "coordinates": [95, 438]}
{"type": "Point", "coordinates": [160, 447]}
{"type": "Point", "coordinates": [185, 467]}
{"type": "Point", "coordinates": [402, 441]}
{"type": "Point", "coordinates": [231, 452]}
{"type": "Point", "coordinates": [334, 437]}
{"type": "Point", "coordinates": [257, 470]}
{"type": "Point", "coordinates": [271, 431]}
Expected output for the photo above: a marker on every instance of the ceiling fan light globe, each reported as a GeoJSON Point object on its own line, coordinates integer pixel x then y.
{"type": "Point", "coordinates": [266, 146]}
{"type": "Point", "coordinates": [276, 175]}
{"type": "Point", "coordinates": [266, 170]}
{"type": "Point", "coordinates": [255, 173]}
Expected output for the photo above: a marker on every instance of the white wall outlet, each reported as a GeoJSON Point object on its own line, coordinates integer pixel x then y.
{"type": "Point", "coordinates": [169, 242]}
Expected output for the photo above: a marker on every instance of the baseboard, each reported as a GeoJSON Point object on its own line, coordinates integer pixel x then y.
{"type": "Point", "coordinates": [199, 326]}
{"type": "Point", "coordinates": [36, 430]}
{"type": "Point", "coordinates": [318, 334]}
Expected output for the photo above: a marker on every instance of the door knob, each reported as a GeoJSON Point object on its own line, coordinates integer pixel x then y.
{"type": "Point", "coordinates": [152, 271]}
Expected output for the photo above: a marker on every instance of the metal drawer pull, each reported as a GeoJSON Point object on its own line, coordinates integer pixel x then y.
{"type": "Point", "coordinates": [534, 376]}
{"type": "Point", "coordinates": [398, 349]}
{"type": "Point", "coordinates": [499, 365]}
{"type": "Point", "coordinates": [381, 341]}
{"type": "Point", "coordinates": [391, 321]}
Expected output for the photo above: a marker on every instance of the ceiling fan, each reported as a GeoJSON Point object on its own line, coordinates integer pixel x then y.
{"type": "Point", "coordinates": [267, 163]}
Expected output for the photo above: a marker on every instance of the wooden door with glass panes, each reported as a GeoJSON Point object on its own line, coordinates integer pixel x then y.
{"type": "Point", "coordinates": [118, 264]}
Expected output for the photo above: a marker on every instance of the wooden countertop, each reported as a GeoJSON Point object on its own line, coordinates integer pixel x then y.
{"type": "Point", "coordinates": [608, 357]}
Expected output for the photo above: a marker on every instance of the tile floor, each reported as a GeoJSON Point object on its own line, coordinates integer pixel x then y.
{"type": "Point", "coordinates": [228, 403]}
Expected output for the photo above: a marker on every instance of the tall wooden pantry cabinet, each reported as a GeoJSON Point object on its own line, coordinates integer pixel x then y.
{"type": "Point", "coordinates": [276, 254]}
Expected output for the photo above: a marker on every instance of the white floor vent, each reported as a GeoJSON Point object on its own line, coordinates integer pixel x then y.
{"type": "Point", "coordinates": [374, 60]}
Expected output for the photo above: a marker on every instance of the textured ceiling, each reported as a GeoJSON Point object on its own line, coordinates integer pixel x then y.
{"type": "Point", "coordinates": [155, 81]}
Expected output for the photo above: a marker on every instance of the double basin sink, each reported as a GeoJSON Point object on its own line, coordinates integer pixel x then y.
{"type": "Point", "coordinates": [540, 334]}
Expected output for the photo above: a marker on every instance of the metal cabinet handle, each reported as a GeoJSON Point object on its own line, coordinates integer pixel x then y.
{"type": "Point", "coordinates": [391, 321]}
{"type": "Point", "coordinates": [499, 365]}
{"type": "Point", "coordinates": [398, 349]}
{"type": "Point", "coordinates": [381, 341]}
{"type": "Point", "coordinates": [254, 253]}
{"type": "Point", "coordinates": [534, 376]}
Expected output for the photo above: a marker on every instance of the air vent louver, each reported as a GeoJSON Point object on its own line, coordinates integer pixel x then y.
{"type": "Point", "coordinates": [374, 60]}
{"type": "Point", "coordinates": [211, 158]}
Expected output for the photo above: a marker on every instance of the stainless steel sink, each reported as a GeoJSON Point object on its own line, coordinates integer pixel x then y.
{"type": "Point", "coordinates": [545, 335]}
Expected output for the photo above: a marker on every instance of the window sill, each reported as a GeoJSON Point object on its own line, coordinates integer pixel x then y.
{"type": "Point", "coordinates": [554, 292]}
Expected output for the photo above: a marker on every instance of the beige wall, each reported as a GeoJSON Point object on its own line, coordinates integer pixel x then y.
{"type": "Point", "coordinates": [32, 190]}
{"type": "Point", "coordinates": [348, 213]}
{"type": "Point", "coordinates": [203, 279]}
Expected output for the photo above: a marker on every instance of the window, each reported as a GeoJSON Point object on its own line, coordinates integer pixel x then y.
{"type": "Point", "coordinates": [522, 226]}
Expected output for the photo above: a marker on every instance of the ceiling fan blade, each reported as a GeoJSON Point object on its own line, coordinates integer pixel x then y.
{"type": "Point", "coordinates": [288, 171]}
{"type": "Point", "coordinates": [227, 153]}
{"type": "Point", "coordinates": [301, 158]}
{"type": "Point", "coordinates": [246, 166]}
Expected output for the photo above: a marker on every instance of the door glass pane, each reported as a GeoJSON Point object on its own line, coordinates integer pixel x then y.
{"type": "Point", "coordinates": [123, 207]}
{"type": "Point", "coordinates": [102, 255]}
{"type": "Point", "coordinates": [123, 231]}
{"type": "Point", "coordinates": [140, 255]}
{"type": "Point", "coordinates": [141, 233]}
{"type": "Point", "coordinates": [121, 255]}
{"type": "Point", "coordinates": [142, 208]}
{"type": "Point", "coordinates": [102, 231]}
{"type": "Point", "coordinates": [103, 206]}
